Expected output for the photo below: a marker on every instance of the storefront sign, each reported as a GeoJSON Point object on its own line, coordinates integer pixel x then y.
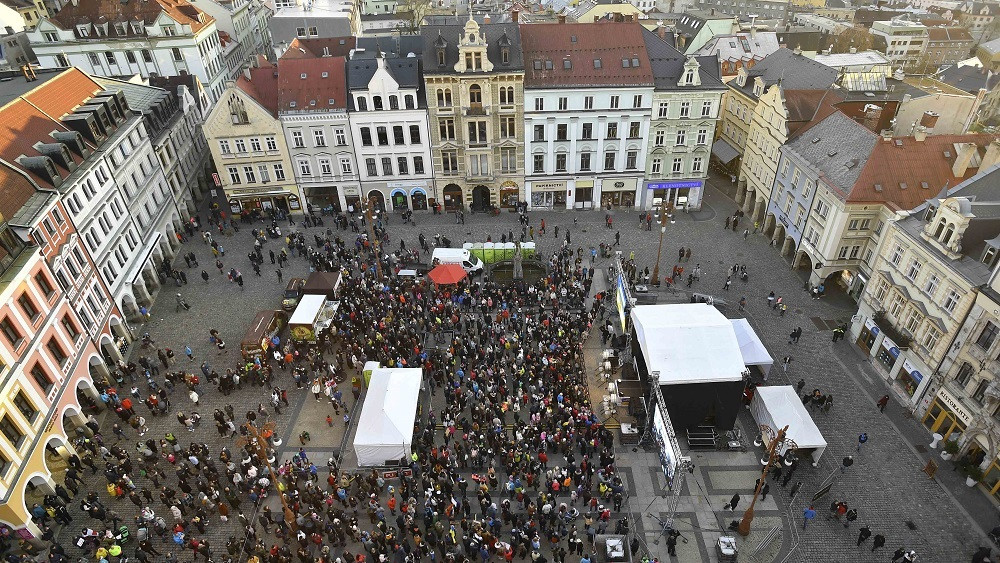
{"type": "Point", "coordinates": [890, 347]}
{"type": "Point", "coordinates": [954, 406]}
{"type": "Point", "coordinates": [406, 185]}
{"type": "Point", "coordinates": [548, 186]}
{"type": "Point", "coordinates": [619, 185]}
{"type": "Point", "coordinates": [215, 178]}
{"type": "Point", "coordinates": [674, 185]}
{"type": "Point", "coordinates": [872, 327]}
{"type": "Point", "coordinates": [352, 191]}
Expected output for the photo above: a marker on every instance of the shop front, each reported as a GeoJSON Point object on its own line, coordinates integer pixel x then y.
{"type": "Point", "coordinates": [683, 194]}
{"type": "Point", "coordinates": [991, 479]}
{"type": "Point", "coordinates": [618, 193]}
{"type": "Point", "coordinates": [908, 378]}
{"type": "Point", "coordinates": [352, 199]}
{"type": "Point", "coordinates": [247, 200]}
{"type": "Point", "coordinates": [407, 195]}
{"type": "Point", "coordinates": [866, 338]}
{"type": "Point", "coordinates": [547, 195]}
{"type": "Point", "coordinates": [418, 199]}
{"type": "Point", "coordinates": [452, 197]}
{"type": "Point", "coordinates": [947, 415]}
{"type": "Point", "coordinates": [510, 194]}
{"type": "Point", "coordinates": [886, 355]}
{"type": "Point", "coordinates": [583, 196]}
{"type": "Point", "coordinates": [323, 198]}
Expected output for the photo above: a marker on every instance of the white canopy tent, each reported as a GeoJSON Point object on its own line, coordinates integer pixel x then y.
{"type": "Point", "coordinates": [688, 343]}
{"type": "Point", "coordinates": [385, 428]}
{"type": "Point", "coordinates": [751, 348]}
{"type": "Point", "coordinates": [778, 406]}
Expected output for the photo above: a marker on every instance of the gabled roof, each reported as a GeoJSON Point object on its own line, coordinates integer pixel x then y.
{"type": "Point", "coordinates": [312, 85]}
{"type": "Point", "coordinates": [795, 72]}
{"type": "Point", "coordinates": [316, 47]}
{"type": "Point", "coordinates": [837, 148]}
{"type": "Point", "coordinates": [98, 12]}
{"type": "Point", "coordinates": [405, 71]}
{"type": "Point", "coordinates": [668, 65]}
{"type": "Point", "coordinates": [948, 34]}
{"type": "Point", "coordinates": [262, 86]}
{"type": "Point", "coordinates": [447, 36]}
{"type": "Point", "coordinates": [904, 160]}
{"type": "Point", "coordinates": [579, 54]}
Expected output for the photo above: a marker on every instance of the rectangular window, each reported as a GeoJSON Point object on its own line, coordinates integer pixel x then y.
{"type": "Point", "coordinates": [449, 162]}
{"type": "Point", "coordinates": [508, 128]}
{"type": "Point", "coordinates": [539, 133]}
{"type": "Point", "coordinates": [265, 175]}
{"type": "Point", "coordinates": [685, 109]}
{"type": "Point", "coordinates": [370, 167]}
{"type": "Point", "coordinates": [609, 160]}
{"type": "Point", "coordinates": [272, 143]}
{"type": "Point", "coordinates": [930, 288]}
{"type": "Point", "coordinates": [661, 110]}
{"type": "Point", "coordinates": [631, 159]}
{"type": "Point", "coordinates": [319, 138]}
{"type": "Point", "coordinates": [633, 130]}
{"type": "Point", "coordinates": [914, 270]}
{"type": "Point", "coordinates": [298, 141]}
{"type": "Point", "coordinates": [10, 332]}
{"type": "Point", "coordinates": [702, 137]}
{"type": "Point", "coordinates": [255, 144]}
{"type": "Point", "coordinates": [397, 135]}
{"type": "Point", "coordinates": [249, 174]}
{"type": "Point", "coordinates": [987, 336]}
{"type": "Point", "coordinates": [681, 139]}
{"type": "Point", "coordinates": [706, 109]}
{"type": "Point", "coordinates": [561, 132]}
{"type": "Point", "coordinates": [561, 162]}
{"type": "Point", "coordinates": [951, 301]}
{"type": "Point", "coordinates": [446, 127]}
{"type": "Point", "coordinates": [11, 431]}
{"type": "Point", "coordinates": [383, 136]}
{"type": "Point", "coordinates": [612, 131]}
{"type": "Point", "coordinates": [896, 306]}
{"type": "Point", "coordinates": [964, 374]}
{"type": "Point", "coordinates": [979, 395]}
{"type": "Point", "coordinates": [56, 350]}
{"type": "Point", "coordinates": [279, 173]}
{"type": "Point", "coordinates": [414, 135]}
{"type": "Point", "coordinates": [24, 405]}
{"type": "Point", "coordinates": [538, 163]}
{"type": "Point", "coordinates": [897, 255]}
{"type": "Point", "coordinates": [587, 131]}
{"type": "Point", "coordinates": [656, 166]}
{"type": "Point", "coordinates": [696, 164]}
{"type": "Point", "coordinates": [588, 102]}
{"type": "Point", "coordinates": [637, 101]}
{"type": "Point", "coordinates": [563, 103]}
{"type": "Point", "coordinates": [342, 136]}
{"type": "Point", "coordinates": [305, 168]}
{"type": "Point", "coordinates": [477, 132]}
{"type": "Point", "coordinates": [539, 104]}
{"type": "Point", "coordinates": [43, 380]}
{"type": "Point", "coordinates": [44, 285]}
{"type": "Point", "coordinates": [345, 165]}
{"type": "Point", "coordinates": [479, 165]}
{"type": "Point", "coordinates": [402, 166]}
{"type": "Point", "coordinates": [70, 327]}
{"type": "Point", "coordinates": [677, 166]}
{"type": "Point", "coordinates": [366, 136]}
{"type": "Point", "coordinates": [387, 165]}
{"type": "Point", "coordinates": [931, 337]}
{"type": "Point", "coordinates": [585, 162]}
{"type": "Point", "coordinates": [325, 167]}
{"type": "Point", "coordinates": [234, 174]}
{"type": "Point", "coordinates": [418, 163]}
{"type": "Point", "coordinates": [614, 102]}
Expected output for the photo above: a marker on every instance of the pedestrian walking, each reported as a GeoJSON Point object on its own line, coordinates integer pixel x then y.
{"type": "Point", "coordinates": [795, 489]}
{"type": "Point", "coordinates": [898, 555]}
{"type": "Point", "coordinates": [807, 515]}
{"type": "Point", "coordinates": [863, 534]}
{"type": "Point", "coordinates": [878, 542]}
{"type": "Point", "coordinates": [743, 303]}
{"type": "Point", "coordinates": [182, 304]}
{"type": "Point", "coordinates": [189, 353]}
{"type": "Point", "coordinates": [204, 275]}
{"type": "Point", "coordinates": [846, 463]}
{"type": "Point", "coordinates": [800, 385]}
{"type": "Point", "coordinates": [851, 516]}
{"type": "Point", "coordinates": [882, 403]}
{"type": "Point", "coordinates": [862, 438]}
{"type": "Point", "coordinates": [279, 275]}
{"type": "Point", "coordinates": [764, 491]}
{"type": "Point", "coordinates": [746, 233]}
{"type": "Point", "coordinates": [733, 502]}
{"type": "Point", "coordinates": [785, 362]}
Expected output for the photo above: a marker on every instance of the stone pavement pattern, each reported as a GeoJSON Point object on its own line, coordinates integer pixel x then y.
{"type": "Point", "coordinates": [886, 484]}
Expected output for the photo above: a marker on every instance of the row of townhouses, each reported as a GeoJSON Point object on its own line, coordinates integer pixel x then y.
{"type": "Point", "coordinates": [470, 116]}
{"type": "Point", "coordinates": [100, 177]}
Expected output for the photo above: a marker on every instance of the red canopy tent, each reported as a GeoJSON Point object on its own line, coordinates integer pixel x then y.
{"type": "Point", "coordinates": [447, 274]}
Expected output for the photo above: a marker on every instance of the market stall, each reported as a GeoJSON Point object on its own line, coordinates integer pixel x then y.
{"type": "Point", "coordinates": [385, 428]}
{"type": "Point", "coordinates": [778, 406]}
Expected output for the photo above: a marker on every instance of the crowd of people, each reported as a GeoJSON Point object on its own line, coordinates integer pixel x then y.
{"type": "Point", "coordinates": [509, 459]}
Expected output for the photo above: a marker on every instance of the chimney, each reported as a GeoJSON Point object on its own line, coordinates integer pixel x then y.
{"type": "Point", "coordinates": [854, 50]}
{"type": "Point", "coordinates": [964, 158]}
{"type": "Point", "coordinates": [992, 156]}
{"type": "Point", "coordinates": [562, 18]}
{"type": "Point", "coordinates": [929, 119]}
{"type": "Point", "coordinates": [597, 19]}
{"type": "Point", "coordinates": [920, 134]}
{"type": "Point", "coordinates": [661, 31]}
{"type": "Point", "coordinates": [515, 15]}
{"type": "Point", "coordinates": [246, 73]}
{"type": "Point", "coordinates": [887, 135]}
{"type": "Point", "coordinates": [486, 18]}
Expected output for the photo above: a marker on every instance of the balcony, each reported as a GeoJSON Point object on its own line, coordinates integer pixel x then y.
{"type": "Point", "coordinates": [897, 335]}
{"type": "Point", "coordinates": [475, 109]}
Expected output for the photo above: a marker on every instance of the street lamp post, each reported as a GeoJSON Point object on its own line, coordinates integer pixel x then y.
{"type": "Point", "coordinates": [260, 444]}
{"type": "Point", "coordinates": [366, 205]}
{"type": "Point", "coordinates": [772, 451]}
{"type": "Point", "coordinates": [659, 249]}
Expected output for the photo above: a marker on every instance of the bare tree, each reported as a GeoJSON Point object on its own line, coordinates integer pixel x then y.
{"type": "Point", "coordinates": [856, 37]}
{"type": "Point", "coordinates": [415, 10]}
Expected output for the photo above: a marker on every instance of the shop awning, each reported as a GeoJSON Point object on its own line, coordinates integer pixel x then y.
{"type": "Point", "coordinates": [724, 151]}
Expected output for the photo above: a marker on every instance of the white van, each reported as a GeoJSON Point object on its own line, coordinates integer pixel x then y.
{"type": "Point", "coordinates": [460, 256]}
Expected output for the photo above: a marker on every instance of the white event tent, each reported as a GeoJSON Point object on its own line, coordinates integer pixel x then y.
{"type": "Point", "coordinates": [385, 428]}
{"type": "Point", "coordinates": [752, 349]}
{"type": "Point", "coordinates": [778, 406]}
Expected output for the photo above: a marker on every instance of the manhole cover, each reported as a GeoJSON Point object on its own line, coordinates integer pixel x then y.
{"type": "Point", "coordinates": [921, 448]}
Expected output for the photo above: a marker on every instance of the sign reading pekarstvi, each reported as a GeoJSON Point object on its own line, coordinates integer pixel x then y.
{"type": "Point", "coordinates": [674, 185]}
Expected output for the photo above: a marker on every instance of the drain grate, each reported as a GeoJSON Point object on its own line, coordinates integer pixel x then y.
{"type": "Point", "coordinates": [819, 323]}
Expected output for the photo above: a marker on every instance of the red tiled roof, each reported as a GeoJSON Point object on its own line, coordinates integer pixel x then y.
{"type": "Point", "coordinates": [547, 45]}
{"type": "Point", "coordinates": [313, 48]}
{"type": "Point", "coordinates": [262, 86]}
{"type": "Point", "coordinates": [302, 81]}
{"type": "Point", "coordinates": [948, 34]}
{"type": "Point", "coordinates": [808, 107]}
{"type": "Point", "coordinates": [908, 161]}
{"type": "Point", "coordinates": [64, 93]}
{"type": "Point", "coordinates": [87, 12]}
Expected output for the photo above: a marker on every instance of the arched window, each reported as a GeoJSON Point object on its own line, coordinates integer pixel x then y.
{"type": "Point", "coordinates": [948, 233]}
{"type": "Point", "coordinates": [362, 103]}
{"type": "Point", "coordinates": [475, 95]}
{"type": "Point", "coordinates": [377, 102]}
{"type": "Point", "coordinates": [409, 101]}
{"type": "Point", "coordinates": [447, 96]}
{"type": "Point", "coordinates": [393, 102]}
{"type": "Point", "coordinates": [940, 229]}
{"type": "Point", "coordinates": [440, 97]}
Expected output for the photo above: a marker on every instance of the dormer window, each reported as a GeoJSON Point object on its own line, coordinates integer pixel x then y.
{"type": "Point", "coordinates": [169, 30]}
{"type": "Point", "coordinates": [505, 55]}
{"type": "Point", "coordinates": [120, 29]}
{"type": "Point", "coordinates": [758, 89]}
{"type": "Point", "coordinates": [83, 30]}
{"type": "Point", "coordinates": [990, 255]}
{"type": "Point", "coordinates": [362, 104]}
{"type": "Point", "coordinates": [948, 233]}
{"type": "Point", "coordinates": [137, 28]}
{"type": "Point", "coordinates": [689, 76]}
{"type": "Point", "coordinates": [237, 112]}
{"type": "Point", "coordinates": [440, 57]}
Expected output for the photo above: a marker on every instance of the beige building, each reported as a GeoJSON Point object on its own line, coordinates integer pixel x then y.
{"type": "Point", "coordinates": [248, 147]}
{"type": "Point", "coordinates": [474, 82]}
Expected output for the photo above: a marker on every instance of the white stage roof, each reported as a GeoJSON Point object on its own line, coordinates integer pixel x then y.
{"type": "Point", "coordinates": [751, 348]}
{"type": "Point", "coordinates": [688, 343]}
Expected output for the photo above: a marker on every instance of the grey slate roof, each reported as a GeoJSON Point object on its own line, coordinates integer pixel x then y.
{"type": "Point", "coordinates": [139, 96]}
{"type": "Point", "coordinates": [837, 147]}
{"type": "Point", "coordinates": [668, 65]}
{"type": "Point", "coordinates": [404, 70]}
{"type": "Point", "coordinates": [967, 78]}
{"type": "Point", "coordinates": [400, 45]}
{"type": "Point", "coordinates": [449, 35]}
{"type": "Point", "coordinates": [795, 72]}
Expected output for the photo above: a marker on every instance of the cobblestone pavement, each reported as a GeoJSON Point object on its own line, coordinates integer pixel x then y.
{"type": "Point", "coordinates": [886, 483]}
